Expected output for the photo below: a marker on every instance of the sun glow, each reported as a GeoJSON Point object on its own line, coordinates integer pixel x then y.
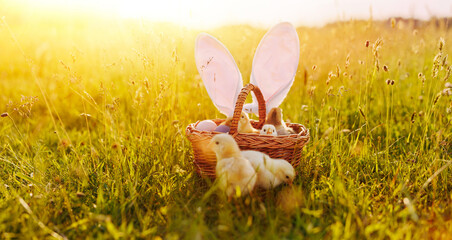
{"type": "Point", "coordinates": [211, 13]}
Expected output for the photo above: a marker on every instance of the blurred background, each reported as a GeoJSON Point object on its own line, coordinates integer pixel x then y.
{"type": "Point", "coordinates": [207, 14]}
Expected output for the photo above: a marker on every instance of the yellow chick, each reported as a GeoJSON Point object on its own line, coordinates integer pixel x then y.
{"type": "Point", "coordinates": [244, 125]}
{"type": "Point", "coordinates": [275, 118]}
{"type": "Point", "coordinates": [270, 172]}
{"type": "Point", "coordinates": [268, 129]}
{"type": "Point", "coordinates": [234, 173]}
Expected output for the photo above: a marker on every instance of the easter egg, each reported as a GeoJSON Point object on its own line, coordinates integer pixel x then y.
{"type": "Point", "coordinates": [206, 125]}
{"type": "Point", "coordinates": [223, 129]}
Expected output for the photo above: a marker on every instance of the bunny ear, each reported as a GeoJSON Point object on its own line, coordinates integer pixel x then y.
{"type": "Point", "coordinates": [219, 72]}
{"type": "Point", "coordinates": [275, 63]}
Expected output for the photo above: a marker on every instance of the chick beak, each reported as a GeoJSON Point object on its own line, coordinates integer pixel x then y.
{"type": "Point", "coordinates": [290, 182]}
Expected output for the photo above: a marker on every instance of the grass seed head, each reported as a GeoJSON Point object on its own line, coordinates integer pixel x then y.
{"type": "Point", "coordinates": [413, 116]}
{"type": "Point", "coordinates": [116, 146]}
{"type": "Point", "coordinates": [441, 43]}
{"type": "Point", "coordinates": [23, 108]}
{"type": "Point", "coordinates": [5, 114]}
{"type": "Point", "coordinates": [448, 71]}
{"type": "Point", "coordinates": [436, 64]}
{"type": "Point", "coordinates": [362, 113]}
{"type": "Point", "coordinates": [393, 22]}
{"type": "Point", "coordinates": [385, 68]}
{"type": "Point", "coordinates": [376, 47]}
{"type": "Point", "coordinates": [437, 97]}
{"type": "Point", "coordinates": [437, 58]}
{"type": "Point", "coordinates": [65, 143]}
{"type": "Point", "coordinates": [330, 90]}
{"type": "Point", "coordinates": [421, 77]}
{"type": "Point", "coordinates": [367, 43]}
{"type": "Point", "coordinates": [447, 92]}
{"type": "Point", "coordinates": [331, 75]}
{"type": "Point", "coordinates": [444, 62]}
{"type": "Point", "coordinates": [311, 91]}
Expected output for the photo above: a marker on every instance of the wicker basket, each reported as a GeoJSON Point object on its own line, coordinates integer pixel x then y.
{"type": "Point", "coordinates": [288, 147]}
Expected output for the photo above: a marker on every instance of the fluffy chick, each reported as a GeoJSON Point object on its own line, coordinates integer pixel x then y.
{"type": "Point", "coordinates": [268, 129]}
{"type": "Point", "coordinates": [270, 172]}
{"type": "Point", "coordinates": [233, 170]}
{"type": "Point", "coordinates": [244, 125]}
{"type": "Point", "coordinates": [275, 118]}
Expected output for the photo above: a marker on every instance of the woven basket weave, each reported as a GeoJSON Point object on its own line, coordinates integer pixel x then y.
{"type": "Point", "coordinates": [288, 147]}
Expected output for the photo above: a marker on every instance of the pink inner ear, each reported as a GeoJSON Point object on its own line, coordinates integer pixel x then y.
{"type": "Point", "coordinates": [219, 72]}
{"type": "Point", "coordinates": [275, 62]}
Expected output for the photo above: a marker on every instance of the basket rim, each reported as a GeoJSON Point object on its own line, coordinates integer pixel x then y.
{"type": "Point", "coordinates": [303, 134]}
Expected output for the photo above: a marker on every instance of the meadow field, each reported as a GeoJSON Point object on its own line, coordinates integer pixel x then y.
{"type": "Point", "coordinates": [94, 111]}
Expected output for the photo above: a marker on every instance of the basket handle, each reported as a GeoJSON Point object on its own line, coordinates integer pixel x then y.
{"type": "Point", "coordinates": [239, 106]}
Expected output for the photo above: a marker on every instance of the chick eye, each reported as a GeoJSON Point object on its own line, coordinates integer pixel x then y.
{"type": "Point", "coordinates": [217, 143]}
{"type": "Point", "coordinates": [287, 177]}
{"type": "Point", "coordinates": [265, 130]}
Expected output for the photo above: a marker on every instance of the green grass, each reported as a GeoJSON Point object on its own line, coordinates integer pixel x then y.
{"type": "Point", "coordinates": [378, 165]}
